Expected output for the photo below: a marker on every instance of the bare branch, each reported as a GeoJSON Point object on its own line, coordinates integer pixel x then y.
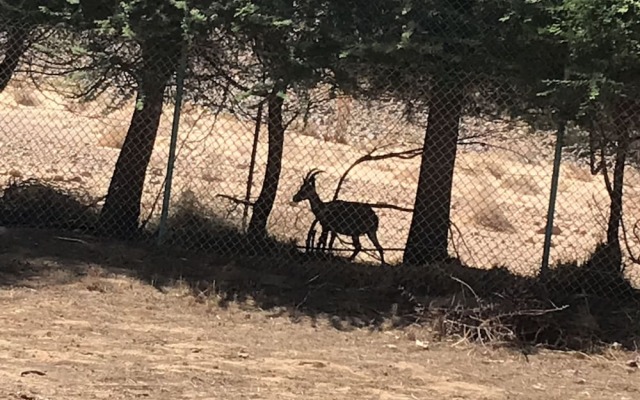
{"type": "Point", "coordinates": [453, 226]}
{"type": "Point", "coordinates": [219, 72]}
{"type": "Point", "coordinates": [236, 200]}
{"type": "Point", "coordinates": [465, 142]}
{"type": "Point", "coordinates": [295, 115]}
{"type": "Point", "coordinates": [389, 206]}
{"type": "Point", "coordinates": [465, 284]}
{"type": "Point", "coordinates": [95, 89]}
{"type": "Point", "coordinates": [404, 155]}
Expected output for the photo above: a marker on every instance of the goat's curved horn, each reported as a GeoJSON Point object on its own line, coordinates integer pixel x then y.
{"type": "Point", "coordinates": [309, 173]}
{"type": "Point", "coordinates": [313, 173]}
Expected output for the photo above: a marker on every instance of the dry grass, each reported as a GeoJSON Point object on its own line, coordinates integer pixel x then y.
{"type": "Point", "coordinates": [522, 184]}
{"type": "Point", "coordinates": [77, 106]}
{"type": "Point", "coordinates": [307, 129]}
{"type": "Point", "coordinates": [565, 184]}
{"type": "Point", "coordinates": [26, 96]}
{"type": "Point", "coordinates": [113, 137]}
{"type": "Point", "coordinates": [190, 115]}
{"type": "Point", "coordinates": [632, 179]}
{"type": "Point", "coordinates": [488, 214]}
{"type": "Point", "coordinates": [337, 136]}
{"type": "Point", "coordinates": [575, 172]}
{"type": "Point", "coordinates": [496, 167]}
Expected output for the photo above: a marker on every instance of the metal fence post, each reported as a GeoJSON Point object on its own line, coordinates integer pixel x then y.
{"type": "Point", "coordinates": [162, 231]}
{"type": "Point", "coordinates": [555, 178]}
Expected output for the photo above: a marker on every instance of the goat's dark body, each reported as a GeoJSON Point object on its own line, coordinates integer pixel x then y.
{"type": "Point", "coordinates": [347, 218]}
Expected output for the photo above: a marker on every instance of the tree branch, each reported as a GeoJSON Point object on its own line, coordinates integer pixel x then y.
{"type": "Point", "coordinates": [464, 142]}
{"type": "Point", "coordinates": [236, 200]}
{"type": "Point", "coordinates": [404, 155]}
{"type": "Point", "coordinates": [389, 206]}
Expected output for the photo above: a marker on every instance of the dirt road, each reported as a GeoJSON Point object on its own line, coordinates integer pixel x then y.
{"type": "Point", "coordinates": [81, 332]}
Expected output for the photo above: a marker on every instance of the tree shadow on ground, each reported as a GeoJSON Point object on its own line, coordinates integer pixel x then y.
{"type": "Point", "coordinates": [575, 306]}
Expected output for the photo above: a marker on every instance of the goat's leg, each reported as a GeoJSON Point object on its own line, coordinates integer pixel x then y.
{"type": "Point", "coordinates": [374, 239]}
{"type": "Point", "coordinates": [310, 243]}
{"type": "Point", "coordinates": [311, 237]}
{"type": "Point", "coordinates": [332, 239]}
{"type": "Point", "coordinates": [357, 247]}
{"type": "Point", "coordinates": [322, 242]}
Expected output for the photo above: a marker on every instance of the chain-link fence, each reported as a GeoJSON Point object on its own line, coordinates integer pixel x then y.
{"type": "Point", "coordinates": [429, 135]}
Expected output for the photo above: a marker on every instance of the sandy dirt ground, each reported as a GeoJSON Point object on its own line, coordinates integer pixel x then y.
{"type": "Point", "coordinates": [72, 329]}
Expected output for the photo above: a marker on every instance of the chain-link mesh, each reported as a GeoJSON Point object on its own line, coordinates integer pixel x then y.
{"type": "Point", "coordinates": [427, 132]}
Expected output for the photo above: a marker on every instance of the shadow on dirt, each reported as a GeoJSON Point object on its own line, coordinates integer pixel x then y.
{"type": "Point", "coordinates": [575, 306]}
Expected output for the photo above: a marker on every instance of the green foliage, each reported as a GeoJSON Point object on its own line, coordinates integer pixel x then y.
{"type": "Point", "coordinates": [121, 44]}
{"type": "Point", "coordinates": [602, 62]}
{"type": "Point", "coordinates": [35, 12]}
{"type": "Point", "coordinates": [289, 39]}
{"type": "Point", "coordinates": [557, 54]}
{"type": "Point", "coordinates": [399, 47]}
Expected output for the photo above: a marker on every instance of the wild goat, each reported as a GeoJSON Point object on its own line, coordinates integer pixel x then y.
{"type": "Point", "coordinates": [340, 217]}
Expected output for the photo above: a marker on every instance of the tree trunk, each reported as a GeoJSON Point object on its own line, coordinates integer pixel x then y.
{"type": "Point", "coordinates": [615, 208]}
{"type": "Point", "coordinates": [265, 201]}
{"type": "Point", "coordinates": [616, 188]}
{"type": "Point", "coordinates": [429, 230]}
{"type": "Point", "coordinates": [16, 45]}
{"type": "Point", "coordinates": [119, 216]}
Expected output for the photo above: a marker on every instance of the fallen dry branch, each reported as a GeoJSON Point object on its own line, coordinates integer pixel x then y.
{"type": "Point", "coordinates": [485, 320]}
{"type": "Point", "coordinates": [486, 323]}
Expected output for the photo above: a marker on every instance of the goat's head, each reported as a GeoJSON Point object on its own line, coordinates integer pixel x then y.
{"type": "Point", "coordinates": [308, 187]}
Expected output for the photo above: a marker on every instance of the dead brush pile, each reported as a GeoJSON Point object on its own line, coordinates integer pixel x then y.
{"type": "Point", "coordinates": [578, 307]}
{"type": "Point", "coordinates": [193, 226]}
{"type": "Point", "coordinates": [36, 204]}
